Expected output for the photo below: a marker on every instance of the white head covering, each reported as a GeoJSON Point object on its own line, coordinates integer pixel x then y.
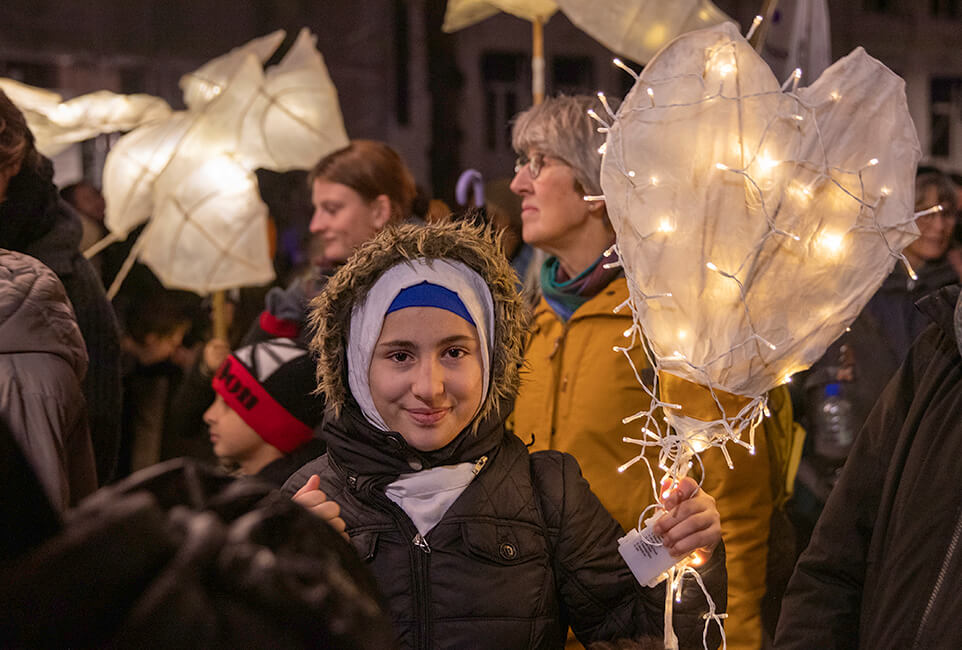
{"type": "Point", "coordinates": [368, 317]}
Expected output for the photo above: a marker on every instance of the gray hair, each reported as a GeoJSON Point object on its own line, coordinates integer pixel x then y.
{"type": "Point", "coordinates": [560, 127]}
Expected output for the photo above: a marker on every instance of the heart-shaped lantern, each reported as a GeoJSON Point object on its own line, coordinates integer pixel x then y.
{"type": "Point", "coordinates": [754, 222]}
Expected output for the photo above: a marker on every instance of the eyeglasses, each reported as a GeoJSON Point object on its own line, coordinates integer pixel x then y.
{"type": "Point", "coordinates": [534, 163]}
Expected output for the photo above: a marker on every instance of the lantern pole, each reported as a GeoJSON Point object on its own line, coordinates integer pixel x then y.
{"type": "Point", "coordinates": [219, 317]}
{"type": "Point", "coordinates": [758, 38]}
{"type": "Point", "coordinates": [537, 61]}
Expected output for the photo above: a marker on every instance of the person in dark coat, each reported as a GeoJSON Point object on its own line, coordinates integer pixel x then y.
{"type": "Point", "coordinates": [884, 564]}
{"type": "Point", "coordinates": [42, 364]}
{"type": "Point", "coordinates": [36, 221]}
{"type": "Point", "coordinates": [265, 412]}
{"type": "Point", "coordinates": [475, 542]}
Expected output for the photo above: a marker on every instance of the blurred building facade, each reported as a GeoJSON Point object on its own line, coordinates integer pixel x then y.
{"type": "Point", "coordinates": [443, 100]}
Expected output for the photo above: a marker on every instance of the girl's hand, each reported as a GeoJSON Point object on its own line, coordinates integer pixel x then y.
{"type": "Point", "coordinates": [313, 498]}
{"type": "Point", "coordinates": [690, 522]}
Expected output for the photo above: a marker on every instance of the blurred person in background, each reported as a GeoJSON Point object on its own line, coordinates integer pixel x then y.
{"type": "Point", "coordinates": [857, 366]}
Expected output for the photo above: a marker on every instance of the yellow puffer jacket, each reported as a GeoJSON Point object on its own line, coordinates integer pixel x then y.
{"type": "Point", "coordinates": [575, 390]}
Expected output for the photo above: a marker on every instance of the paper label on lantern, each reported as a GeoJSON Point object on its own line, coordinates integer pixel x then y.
{"type": "Point", "coordinates": [645, 555]}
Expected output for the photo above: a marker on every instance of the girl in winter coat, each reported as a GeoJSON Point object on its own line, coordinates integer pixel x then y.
{"type": "Point", "coordinates": [474, 542]}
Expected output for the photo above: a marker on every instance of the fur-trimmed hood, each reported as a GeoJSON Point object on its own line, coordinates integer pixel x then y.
{"type": "Point", "coordinates": [475, 247]}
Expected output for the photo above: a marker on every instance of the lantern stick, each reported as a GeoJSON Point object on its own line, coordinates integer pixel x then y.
{"type": "Point", "coordinates": [761, 32]}
{"type": "Point", "coordinates": [98, 246]}
{"type": "Point", "coordinates": [219, 315]}
{"type": "Point", "coordinates": [537, 61]}
{"type": "Point", "coordinates": [128, 263]}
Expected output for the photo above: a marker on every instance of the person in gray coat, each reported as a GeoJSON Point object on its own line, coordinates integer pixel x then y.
{"type": "Point", "coordinates": [43, 361]}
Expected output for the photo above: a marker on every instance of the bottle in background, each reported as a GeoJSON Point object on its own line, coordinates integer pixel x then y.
{"type": "Point", "coordinates": [833, 428]}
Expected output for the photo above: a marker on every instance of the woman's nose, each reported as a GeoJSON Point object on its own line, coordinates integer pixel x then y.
{"type": "Point", "coordinates": [317, 221]}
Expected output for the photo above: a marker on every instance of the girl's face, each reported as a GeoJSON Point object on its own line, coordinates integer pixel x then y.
{"type": "Point", "coordinates": [343, 219]}
{"type": "Point", "coordinates": [426, 375]}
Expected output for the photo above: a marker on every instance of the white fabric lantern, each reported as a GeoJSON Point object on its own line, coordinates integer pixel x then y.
{"type": "Point", "coordinates": [637, 29]}
{"type": "Point", "coordinates": [754, 222]}
{"type": "Point", "coordinates": [192, 174]}
{"type": "Point", "coordinates": [209, 228]}
{"type": "Point", "coordinates": [131, 168]}
{"type": "Point", "coordinates": [463, 13]}
{"type": "Point", "coordinates": [56, 124]}
{"type": "Point", "coordinates": [204, 84]}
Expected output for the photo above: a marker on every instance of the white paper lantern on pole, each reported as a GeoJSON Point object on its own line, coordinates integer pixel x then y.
{"type": "Point", "coordinates": [131, 168]}
{"type": "Point", "coordinates": [56, 124]}
{"type": "Point", "coordinates": [754, 222]}
{"type": "Point", "coordinates": [209, 229]}
{"type": "Point", "coordinates": [639, 28]}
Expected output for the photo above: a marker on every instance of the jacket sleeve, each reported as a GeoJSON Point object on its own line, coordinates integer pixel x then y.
{"type": "Point", "coordinates": [823, 600]}
{"type": "Point", "coordinates": [40, 423]}
{"type": "Point", "coordinates": [599, 595]}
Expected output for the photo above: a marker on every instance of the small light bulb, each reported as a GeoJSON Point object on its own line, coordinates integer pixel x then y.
{"type": "Point", "coordinates": [711, 266]}
{"type": "Point", "coordinates": [721, 166]}
{"type": "Point", "coordinates": [653, 180]}
{"type": "Point", "coordinates": [627, 332]}
{"type": "Point", "coordinates": [665, 225]}
{"type": "Point", "coordinates": [835, 96]}
{"type": "Point", "coordinates": [682, 334]}
{"type": "Point", "coordinates": [631, 174]}
{"type": "Point", "coordinates": [831, 241]}
{"type": "Point", "coordinates": [873, 162]}
{"type": "Point", "coordinates": [886, 191]}
{"type": "Point", "coordinates": [651, 93]}
{"type": "Point", "coordinates": [603, 147]}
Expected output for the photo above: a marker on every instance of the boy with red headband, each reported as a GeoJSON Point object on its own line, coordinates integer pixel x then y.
{"type": "Point", "coordinates": [264, 415]}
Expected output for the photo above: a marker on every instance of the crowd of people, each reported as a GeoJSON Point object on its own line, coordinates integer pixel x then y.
{"type": "Point", "coordinates": [439, 390]}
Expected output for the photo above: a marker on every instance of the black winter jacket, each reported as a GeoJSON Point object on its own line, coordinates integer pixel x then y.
{"type": "Point", "coordinates": [525, 551]}
{"type": "Point", "coordinates": [884, 564]}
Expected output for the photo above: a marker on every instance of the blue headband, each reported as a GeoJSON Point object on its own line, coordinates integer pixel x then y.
{"type": "Point", "coordinates": [430, 295]}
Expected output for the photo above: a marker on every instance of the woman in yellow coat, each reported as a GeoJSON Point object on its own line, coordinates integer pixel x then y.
{"type": "Point", "coordinates": [576, 389]}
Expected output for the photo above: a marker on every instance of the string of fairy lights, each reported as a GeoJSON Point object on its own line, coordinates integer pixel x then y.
{"type": "Point", "coordinates": [680, 439]}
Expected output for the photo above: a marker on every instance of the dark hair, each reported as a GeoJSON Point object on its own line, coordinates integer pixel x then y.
{"type": "Point", "coordinates": [371, 169]}
{"type": "Point", "coordinates": [16, 140]}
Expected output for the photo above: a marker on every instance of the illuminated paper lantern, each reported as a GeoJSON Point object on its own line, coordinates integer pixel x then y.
{"type": "Point", "coordinates": [639, 28]}
{"type": "Point", "coordinates": [754, 221]}
{"type": "Point", "coordinates": [464, 13]}
{"type": "Point", "coordinates": [207, 233]}
{"type": "Point", "coordinates": [209, 228]}
{"type": "Point", "coordinates": [204, 84]}
{"type": "Point", "coordinates": [56, 124]}
{"type": "Point", "coordinates": [291, 113]}
{"type": "Point", "coordinates": [131, 168]}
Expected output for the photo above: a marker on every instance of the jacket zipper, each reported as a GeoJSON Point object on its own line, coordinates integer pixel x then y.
{"type": "Point", "coordinates": [479, 465]}
{"type": "Point", "coordinates": [953, 544]}
{"type": "Point", "coordinates": [419, 552]}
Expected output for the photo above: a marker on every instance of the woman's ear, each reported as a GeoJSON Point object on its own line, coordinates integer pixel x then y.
{"type": "Point", "coordinates": [595, 206]}
{"type": "Point", "coordinates": [381, 205]}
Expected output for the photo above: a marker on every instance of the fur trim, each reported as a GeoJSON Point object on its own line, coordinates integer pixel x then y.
{"type": "Point", "coordinates": [477, 247]}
